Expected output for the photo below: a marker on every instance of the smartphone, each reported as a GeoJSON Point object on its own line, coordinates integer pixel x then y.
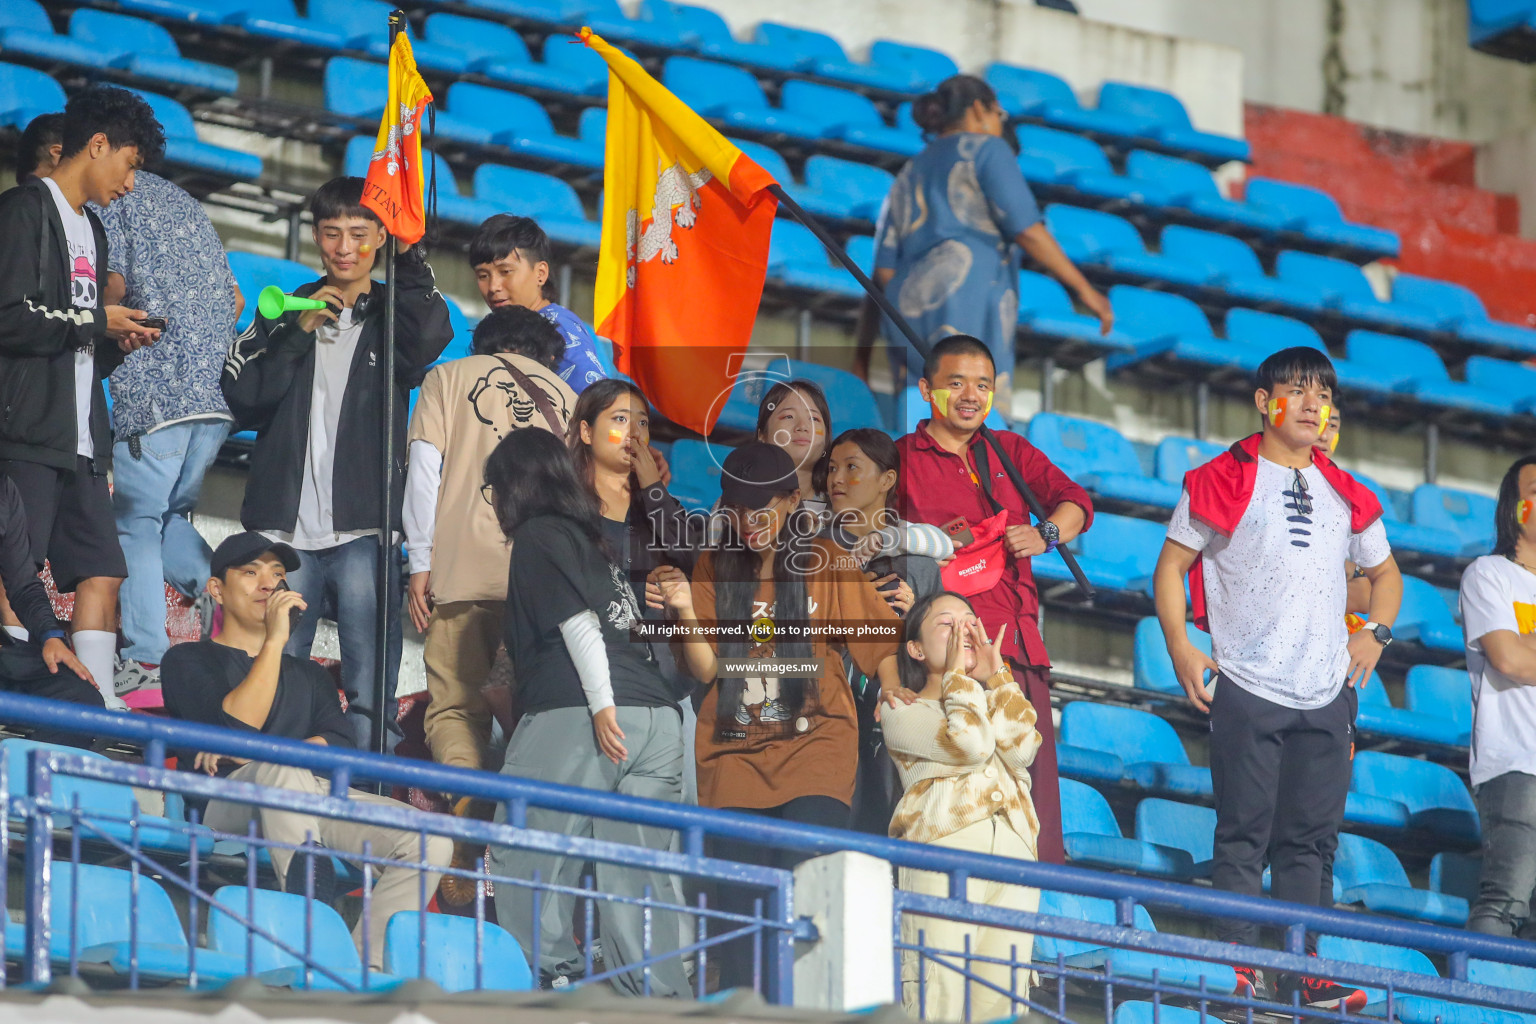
{"type": "Point", "coordinates": [294, 614]}
{"type": "Point", "coordinates": [959, 531]}
{"type": "Point", "coordinates": [153, 323]}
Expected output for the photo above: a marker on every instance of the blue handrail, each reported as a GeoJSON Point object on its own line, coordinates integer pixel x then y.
{"type": "Point", "coordinates": [694, 823]}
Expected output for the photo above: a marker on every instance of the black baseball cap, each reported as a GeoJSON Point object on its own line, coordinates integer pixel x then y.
{"type": "Point", "coordinates": [755, 474]}
{"type": "Point", "coordinates": [240, 548]}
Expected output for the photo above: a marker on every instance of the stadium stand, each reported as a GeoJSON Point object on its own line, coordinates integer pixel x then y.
{"type": "Point", "coordinates": [447, 944]}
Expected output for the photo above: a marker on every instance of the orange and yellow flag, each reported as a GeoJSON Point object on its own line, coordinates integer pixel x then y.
{"type": "Point", "coordinates": [394, 187]}
{"type": "Point", "coordinates": [686, 222]}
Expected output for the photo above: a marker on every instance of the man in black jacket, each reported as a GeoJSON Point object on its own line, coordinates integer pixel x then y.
{"type": "Point", "coordinates": [310, 383]}
{"type": "Point", "coordinates": [57, 340]}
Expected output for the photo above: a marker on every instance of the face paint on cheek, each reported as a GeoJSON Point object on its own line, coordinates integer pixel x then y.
{"type": "Point", "coordinates": [1322, 422]}
{"type": "Point", "coordinates": [1523, 510]}
{"type": "Point", "coordinates": [986, 408]}
{"type": "Point", "coordinates": [1278, 407]}
{"type": "Point", "coordinates": [615, 437]}
{"type": "Point", "coordinates": [940, 399]}
{"type": "Point", "coordinates": [1333, 442]}
{"type": "Point", "coordinates": [364, 249]}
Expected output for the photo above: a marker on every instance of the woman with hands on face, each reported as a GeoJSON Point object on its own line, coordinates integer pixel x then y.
{"type": "Point", "coordinates": [963, 746]}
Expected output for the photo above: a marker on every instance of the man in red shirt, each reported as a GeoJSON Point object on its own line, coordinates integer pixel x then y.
{"type": "Point", "coordinates": [948, 471]}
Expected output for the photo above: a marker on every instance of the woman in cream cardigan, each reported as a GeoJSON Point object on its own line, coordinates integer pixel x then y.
{"type": "Point", "coordinates": [963, 748]}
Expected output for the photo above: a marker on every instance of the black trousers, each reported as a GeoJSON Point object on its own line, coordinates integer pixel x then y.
{"type": "Point", "coordinates": [1281, 777]}
{"type": "Point", "coordinates": [735, 958]}
{"type": "Point", "coordinates": [22, 670]}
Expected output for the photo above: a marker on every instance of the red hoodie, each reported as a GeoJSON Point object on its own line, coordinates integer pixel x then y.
{"type": "Point", "coordinates": [1219, 492]}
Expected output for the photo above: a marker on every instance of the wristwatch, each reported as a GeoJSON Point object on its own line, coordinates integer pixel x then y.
{"type": "Point", "coordinates": [1050, 534]}
{"type": "Point", "coordinates": [1383, 634]}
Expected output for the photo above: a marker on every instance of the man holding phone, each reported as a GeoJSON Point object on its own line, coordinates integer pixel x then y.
{"type": "Point", "coordinates": [168, 414]}
{"type": "Point", "coordinates": [59, 335]}
{"type": "Point", "coordinates": [952, 479]}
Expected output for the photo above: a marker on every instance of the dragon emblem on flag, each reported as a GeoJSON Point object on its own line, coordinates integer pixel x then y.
{"type": "Point", "coordinates": [396, 136]}
{"type": "Point", "coordinates": [676, 200]}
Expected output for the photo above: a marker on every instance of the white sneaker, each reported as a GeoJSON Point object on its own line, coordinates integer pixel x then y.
{"type": "Point", "coordinates": [134, 684]}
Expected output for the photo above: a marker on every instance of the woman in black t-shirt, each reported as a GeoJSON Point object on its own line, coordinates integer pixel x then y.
{"type": "Point", "coordinates": [597, 712]}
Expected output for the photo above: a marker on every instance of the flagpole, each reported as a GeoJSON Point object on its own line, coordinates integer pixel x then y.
{"type": "Point", "coordinates": [383, 624]}
{"type": "Point", "coordinates": [923, 348]}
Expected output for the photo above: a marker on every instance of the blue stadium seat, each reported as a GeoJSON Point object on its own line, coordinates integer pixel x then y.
{"type": "Point", "coordinates": [1460, 310]}
{"type": "Point", "coordinates": [451, 205]}
{"type": "Point", "coordinates": [1409, 1009]}
{"type": "Point", "coordinates": [1384, 364]}
{"type": "Point", "coordinates": [1468, 516]}
{"type": "Point", "coordinates": [1133, 1011]}
{"type": "Point", "coordinates": [819, 54]}
{"type": "Point", "coordinates": [696, 473]}
{"type": "Point", "coordinates": [1372, 875]}
{"type": "Point", "coordinates": [1455, 874]}
{"type": "Point", "coordinates": [359, 89]}
{"type": "Point", "coordinates": [520, 124]}
{"type": "Point", "coordinates": [1231, 264]}
{"type": "Point", "coordinates": [25, 93]}
{"type": "Point", "coordinates": [497, 52]}
{"type": "Point", "coordinates": [1515, 381]}
{"type": "Point", "coordinates": [796, 259]}
{"type": "Point", "coordinates": [279, 19]}
{"type": "Point", "coordinates": [843, 114]}
{"type": "Point", "coordinates": [1268, 333]}
{"type": "Point", "coordinates": [922, 67]}
{"type": "Point", "coordinates": [1504, 28]}
{"type": "Point", "coordinates": [914, 410]}
{"type": "Point", "coordinates": [547, 199]}
{"type": "Point", "coordinates": [1124, 963]}
{"type": "Point", "coordinates": [99, 801]}
{"type": "Point", "coordinates": [1436, 798]}
{"type": "Point", "coordinates": [607, 19]}
{"type": "Point", "coordinates": [147, 50]}
{"type": "Point", "coordinates": [1444, 694]}
{"type": "Point", "coordinates": [1345, 288]}
{"type": "Point", "coordinates": [1045, 309]}
{"type": "Point", "coordinates": [1030, 92]}
{"type": "Point", "coordinates": [463, 336]}
{"type": "Point", "coordinates": [1188, 828]}
{"type": "Point", "coordinates": [253, 273]}
{"type": "Point", "coordinates": [1188, 184]}
{"type": "Point", "coordinates": [361, 21]}
{"type": "Point", "coordinates": [296, 922]}
{"type": "Point", "coordinates": [27, 31]}
{"type": "Point", "coordinates": [1086, 763]}
{"type": "Point", "coordinates": [1100, 458]}
{"type": "Point", "coordinates": [1153, 755]}
{"type": "Point", "coordinates": [861, 249]}
{"type": "Point", "coordinates": [1511, 976]}
{"type": "Point", "coordinates": [1404, 535]}
{"type": "Point", "coordinates": [450, 942]}
{"type": "Point", "coordinates": [1151, 666]}
{"type": "Point", "coordinates": [1092, 837]}
{"type": "Point", "coordinates": [706, 31]}
{"type": "Point", "coordinates": [1314, 213]}
{"type": "Point", "coordinates": [1168, 121]}
{"type": "Point", "coordinates": [852, 403]}
{"type": "Point", "coordinates": [1425, 617]}
{"type": "Point", "coordinates": [182, 145]}
{"type": "Point", "coordinates": [1091, 236]}
{"type": "Point", "coordinates": [104, 922]}
{"type": "Point", "coordinates": [1053, 157]}
{"type": "Point", "coordinates": [1119, 553]}
{"type": "Point", "coordinates": [843, 189]}
{"type": "Point", "coordinates": [733, 96]}
{"type": "Point", "coordinates": [1378, 715]}
{"type": "Point", "coordinates": [1176, 456]}
{"type": "Point", "coordinates": [1159, 322]}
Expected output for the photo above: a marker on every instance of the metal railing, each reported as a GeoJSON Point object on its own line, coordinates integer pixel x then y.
{"type": "Point", "coordinates": [781, 924]}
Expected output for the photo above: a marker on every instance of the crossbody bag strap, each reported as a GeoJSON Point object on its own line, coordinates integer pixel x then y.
{"type": "Point", "coordinates": [984, 471]}
{"type": "Point", "coordinates": [540, 398]}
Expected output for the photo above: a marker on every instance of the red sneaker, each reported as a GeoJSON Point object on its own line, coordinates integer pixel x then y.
{"type": "Point", "coordinates": [1250, 983]}
{"type": "Point", "coordinates": [1323, 993]}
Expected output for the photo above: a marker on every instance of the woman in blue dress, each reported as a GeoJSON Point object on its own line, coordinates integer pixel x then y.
{"type": "Point", "coordinates": [955, 224]}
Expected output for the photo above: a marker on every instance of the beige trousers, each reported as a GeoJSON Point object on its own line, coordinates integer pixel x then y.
{"type": "Point", "coordinates": [460, 647]}
{"type": "Point", "coordinates": [943, 996]}
{"type": "Point", "coordinates": [396, 888]}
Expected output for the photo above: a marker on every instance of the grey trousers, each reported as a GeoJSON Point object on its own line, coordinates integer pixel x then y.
{"type": "Point", "coordinates": [558, 746]}
{"type": "Point", "coordinates": [1507, 806]}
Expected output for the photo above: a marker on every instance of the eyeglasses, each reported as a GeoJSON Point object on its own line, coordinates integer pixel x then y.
{"type": "Point", "coordinates": [489, 494]}
{"type": "Point", "coordinates": [1299, 501]}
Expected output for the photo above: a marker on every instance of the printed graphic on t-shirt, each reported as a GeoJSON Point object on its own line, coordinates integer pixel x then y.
{"type": "Point", "coordinates": [82, 278]}
{"type": "Point", "coordinates": [498, 392]}
{"type": "Point", "coordinates": [623, 612]}
{"type": "Point", "coordinates": [760, 694]}
{"type": "Point", "coordinates": [1525, 616]}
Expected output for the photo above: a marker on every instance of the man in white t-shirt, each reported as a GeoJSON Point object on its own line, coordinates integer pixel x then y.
{"type": "Point", "coordinates": [58, 338]}
{"type": "Point", "coordinates": [1498, 614]}
{"type": "Point", "coordinates": [1262, 531]}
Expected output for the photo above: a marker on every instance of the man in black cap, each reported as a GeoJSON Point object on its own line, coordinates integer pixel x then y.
{"type": "Point", "coordinates": [242, 680]}
{"type": "Point", "coordinates": [42, 666]}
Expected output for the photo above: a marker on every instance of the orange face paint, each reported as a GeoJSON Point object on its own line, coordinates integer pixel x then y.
{"type": "Point", "coordinates": [1523, 510]}
{"type": "Point", "coordinates": [615, 437]}
{"type": "Point", "coordinates": [364, 249]}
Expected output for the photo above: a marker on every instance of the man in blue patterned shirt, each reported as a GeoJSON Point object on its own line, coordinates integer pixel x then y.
{"type": "Point", "coordinates": [510, 257]}
{"type": "Point", "coordinates": [168, 414]}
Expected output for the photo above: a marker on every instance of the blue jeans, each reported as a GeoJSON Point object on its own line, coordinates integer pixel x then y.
{"type": "Point", "coordinates": [151, 497]}
{"type": "Point", "coordinates": [342, 584]}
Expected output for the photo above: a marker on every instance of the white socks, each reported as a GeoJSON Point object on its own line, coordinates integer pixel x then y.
{"type": "Point", "coordinates": [19, 633]}
{"type": "Point", "coordinates": [97, 651]}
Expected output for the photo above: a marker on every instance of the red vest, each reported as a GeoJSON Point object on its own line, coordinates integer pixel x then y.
{"type": "Point", "coordinates": [1219, 492]}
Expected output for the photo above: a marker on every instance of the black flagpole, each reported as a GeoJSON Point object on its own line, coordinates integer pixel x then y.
{"type": "Point", "coordinates": [382, 624]}
{"type": "Point", "coordinates": [923, 348]}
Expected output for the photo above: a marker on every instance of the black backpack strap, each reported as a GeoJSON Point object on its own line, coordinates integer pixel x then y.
{"type": "Point", "coordinates": [984, 471]}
